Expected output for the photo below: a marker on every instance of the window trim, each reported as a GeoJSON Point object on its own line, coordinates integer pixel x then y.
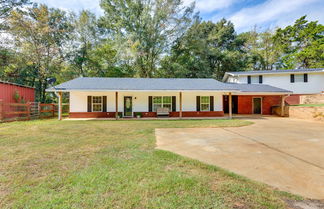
{"type": "Point", "coordinates": [101, 104]}
{"type": "Point", "coordinates": [202, 103]}
{"type": "Point", "coordinates": [162, 103]}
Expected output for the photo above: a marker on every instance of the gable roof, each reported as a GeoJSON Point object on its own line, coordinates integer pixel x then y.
{"type": "Point", "coordinates": [263, 72]}
{"type": "Point", "coordinates": [142, 84]}
{"type": "Point", "coordinates": [159, 84]}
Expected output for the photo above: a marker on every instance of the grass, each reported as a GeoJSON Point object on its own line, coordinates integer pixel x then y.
{"type": "Point", "coordinates": [310, 105]}
{"type": "Point", "coordinates": [114, 164]}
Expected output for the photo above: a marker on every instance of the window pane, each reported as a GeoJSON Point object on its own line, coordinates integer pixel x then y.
{"type": "Point", "coordinates": [157, 100]}
{"type": "Point", "coordinates": [204, 100]}
{"type": "Point", "coordinates": [299, 78]}
{"type": "Point", "coordinates": [254, 79]}
{"type": "Point", "coordinates": [96, 99]}
{"type": "Point", "coordinates": [204, 107]}
{"type": "Point", "coordinates": [156, 106]}
{"type": "Point", "coordinates": [96, 107]}
{"type": "Point", "coordinates": [167, 100]}
{"type": "Point", "coordinates": [167, 106]}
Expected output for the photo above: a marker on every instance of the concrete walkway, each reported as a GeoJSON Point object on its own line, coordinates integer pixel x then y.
{"type": "Point", "coordinates": [285, 153]}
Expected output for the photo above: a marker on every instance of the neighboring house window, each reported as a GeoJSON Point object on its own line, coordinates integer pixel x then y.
{"type": "Point", "coordinates": [254, 79]}
{"type": "Point", "coordinates": [96, 104]}
{"type": "Point", "coordinates": [204, 103]}
{"type": "Point", "coordinates": [299, 78]}
{"type": "Point", "coordinates": [159, 102]}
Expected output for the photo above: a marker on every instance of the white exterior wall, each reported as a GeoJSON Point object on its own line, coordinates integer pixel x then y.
{"type": "Point", "coordinates": [315, 84]}
{"type": "Point", "coordinates": [79, 100]}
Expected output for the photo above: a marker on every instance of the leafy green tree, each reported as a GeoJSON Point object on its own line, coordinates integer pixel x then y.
{"type": "Point", "coordinates": [262, 52]}
{"type": "Point", "coordinates": [207, 49]}
{"type": "Point", "coordinates": [143, 31]}
{"type": "Point", "coordinates": [40, 34]}
{"type": "Point", "coordinates": [302, 44]}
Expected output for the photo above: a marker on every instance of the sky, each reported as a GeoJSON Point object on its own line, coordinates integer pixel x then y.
{"type": "Point", "coordinates": [245, 14]}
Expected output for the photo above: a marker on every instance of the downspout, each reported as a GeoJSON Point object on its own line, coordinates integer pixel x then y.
{"type": "Point", "coordinates": [59, 106]}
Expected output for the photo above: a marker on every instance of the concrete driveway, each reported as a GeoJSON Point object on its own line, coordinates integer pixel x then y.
{"type": "Point", "coordinates": [285, 153]}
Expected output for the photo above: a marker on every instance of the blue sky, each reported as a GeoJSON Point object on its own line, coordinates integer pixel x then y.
{"type": "Point", "coordinates": [245, 14]}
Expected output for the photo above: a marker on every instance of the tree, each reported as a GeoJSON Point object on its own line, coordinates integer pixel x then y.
{"type": "Point", "coordinates": [262, 52]}
{"type": "Point", "coordinates": [206, 50]}
{"type": "Point", "coordinates": [39, 35]}
{"type": "Point", "coordinates": [143, 30]}
{"type": "Point", "coordinates": [302, 44]}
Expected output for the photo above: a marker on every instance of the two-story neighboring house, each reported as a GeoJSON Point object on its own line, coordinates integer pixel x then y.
{"type": "Point", "coordinates": [299, 81]}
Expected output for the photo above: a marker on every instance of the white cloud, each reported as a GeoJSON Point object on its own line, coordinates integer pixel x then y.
{"type": "Point", "coordinates": [277, 13]}
{"type": "Point", "coordinates": [206, 6]}
{"type": "Point", "coordinates": [74, 5]}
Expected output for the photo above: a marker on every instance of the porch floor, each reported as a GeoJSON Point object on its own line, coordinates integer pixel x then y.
{"type": "Point", "coordinates": [235, 116]}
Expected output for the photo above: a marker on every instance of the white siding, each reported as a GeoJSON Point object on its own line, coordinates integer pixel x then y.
{"type": "Point", "coordinates": [314, 85]}
{"type": "Point", "coordinates": [78, 100]}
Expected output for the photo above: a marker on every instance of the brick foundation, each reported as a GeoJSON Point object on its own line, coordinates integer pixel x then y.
{"type": "Point", "coordinates": [146, 114]}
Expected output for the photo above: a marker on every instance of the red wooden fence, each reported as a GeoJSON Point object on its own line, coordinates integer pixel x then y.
{"type": "Point", "coordinates": [16, 111]}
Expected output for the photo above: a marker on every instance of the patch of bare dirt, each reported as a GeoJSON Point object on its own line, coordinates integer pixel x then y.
{"type": "Point", "coordinates": [305, 204]}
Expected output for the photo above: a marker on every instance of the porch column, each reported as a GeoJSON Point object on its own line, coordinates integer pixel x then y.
{"type": "Point", "coordinates": [180, 96]}
{"type": "Point", "coordinates": [116, 115]}
{"type": "Point", "coordinates": [60, 106]}
{"type": "Point", "coordinates": [282, 113]}
{"type": "Point", "coordinates": [230, 105]}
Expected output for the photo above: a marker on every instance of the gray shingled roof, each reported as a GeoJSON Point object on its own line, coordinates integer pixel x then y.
{"type": "Point", "coordinates": [142, 84]}
{"type": "Point", "coordinates": [257, 88]}
{"type": "Point", "coordinates": [91, 83]}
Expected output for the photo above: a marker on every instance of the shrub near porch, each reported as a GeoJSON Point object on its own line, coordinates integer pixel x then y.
{"type": "Point", "coordinates": [114, 164]}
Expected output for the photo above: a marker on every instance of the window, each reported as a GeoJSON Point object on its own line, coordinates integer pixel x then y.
{"type": "Point", "coordinates": [204, 103]}
{"type": "Point", "coordinates": [254, 79]}
{"type": "Point", "coordinates": [299, 78]}
{"type": "Point", "coordinates": [165, 102]}
{"type": "Point", "coordinates": [96, 104]}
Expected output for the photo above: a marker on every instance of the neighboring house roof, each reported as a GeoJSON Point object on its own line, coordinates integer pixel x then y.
{"type": "Point", "coordinates": [16, 84]}
{"type": "Point", "coordinates": [264, 72]}
{"type": "Point", "coordinates": [257, 88]}
{"type": "Point", "coordinates": [159, 84]}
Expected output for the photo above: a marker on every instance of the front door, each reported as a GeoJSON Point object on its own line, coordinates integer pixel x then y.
{"type": "Point", "coordinates": [257, 106]}
{"type": "Point", "coordinates": [128, 107]}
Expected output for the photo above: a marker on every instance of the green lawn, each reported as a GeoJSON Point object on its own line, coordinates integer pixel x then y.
{"type": "Point", "coordinates": [113, 164]}
{"type": "Point", "coordinates": [310, 105]}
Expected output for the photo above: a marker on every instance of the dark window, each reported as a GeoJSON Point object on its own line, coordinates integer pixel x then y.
{"type": "Point", "coordinates": [249, 79]}
{"type": "Point", "coordinates": [305, 77]}
{"type": "Point", "coordinates": [260, 79]}
{"type": "Point", "coordinates": [292, 78]}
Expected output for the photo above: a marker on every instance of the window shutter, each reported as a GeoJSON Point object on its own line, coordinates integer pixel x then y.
{"type": "Point", "coordinates": [260, 79]}
{"type": "Point", "coordinates": [89, 103]}
{"type": "Point", "coordinates": [211, 103]}
{"type": "Point", "coordinates": [249, 79]}
{"type": "Point", "coordinates": [174, 104]}
{"type": "Point", "coordinates": [104, 104]}
{"type": "Point", "coordinates": [305, 77]}
{"type": "Point", "coordinates": [292, 78]}
{"type": "Point", "coordinates": [198, 103]}
{"type": "Point", "coordinates": [150, 101]}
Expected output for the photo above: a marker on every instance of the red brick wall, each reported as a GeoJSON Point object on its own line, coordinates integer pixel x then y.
{"type": "Point", "coordinates": [293, 100]}
{"type": "Point", "coordinates": [146, 114]}
{"type": "Point", "coordinates": [245, 104]}
{"type": "Point", "coordinates": [198, 114]}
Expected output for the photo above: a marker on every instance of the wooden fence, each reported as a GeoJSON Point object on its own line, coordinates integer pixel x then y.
{"type": "Point", "coordinates": [29, 111]}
